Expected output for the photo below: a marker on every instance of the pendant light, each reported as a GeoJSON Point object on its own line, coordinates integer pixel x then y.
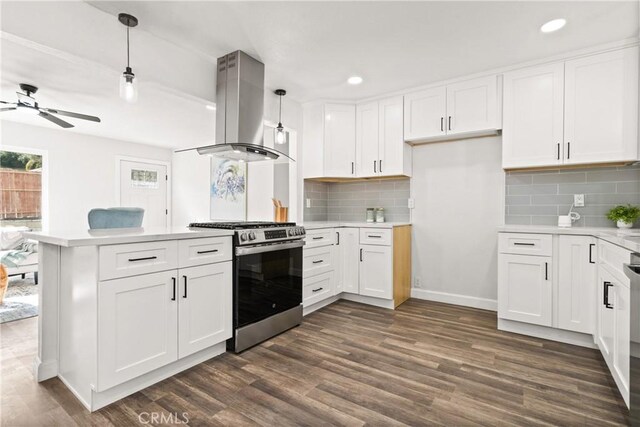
{"type": "Point", "coordinates": [281, 137]}
{"type": "Point", "coordinates": [128, 82]}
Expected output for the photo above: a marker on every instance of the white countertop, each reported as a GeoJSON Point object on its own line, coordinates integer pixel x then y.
{"type": "Point", "coordinates": [628, 238]}
{"type": "Point", "coordinates": [122, 235]}
{"type": "Point", "coordinates": [313, 225]}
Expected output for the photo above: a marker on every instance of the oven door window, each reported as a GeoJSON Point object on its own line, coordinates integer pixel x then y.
{"type": "Point", "coordinates": [267, 283]}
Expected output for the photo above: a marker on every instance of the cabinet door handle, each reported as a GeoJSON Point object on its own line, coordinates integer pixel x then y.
{"type": "Point", "coordinates": [185, 286]}
{"type": "Point", "coordinates": [380, 168]}
{"type": "Point", "coordinates": [360, 254]}
{"type": "Point", "coordinates": [568, 150]}
{"type": "Point", "coordinates": [374, 166]}
{"type": "Point", "coordinates": [546, 271]}
{"type": "Point", "coordinates": [317, 290]}
{"type": "Point", "coordinates": [173, 298]}
{"type": "Point", "coordinates": [353, 169]}
{"type": "Point", "coordinates": [441, 124]}
{"type": "Point", "coordinates": [558, 151]}
{"type": "Point", "coordinates": [337, 238]}
{"type": "Point", "coordinates": [318, 262]}
{"type": "Point", "coordinates": [523, 244]}
{"type": "Point", "coordinates": [591, 246]}
{"type": "Point", "coordinates": [449, 122]}
{"type": "Point", "coordinates": [607, 285]}
{"type": "Point", "coordinates": [211, 251]}
{"type": "Point", "coordinates": [147, 258]}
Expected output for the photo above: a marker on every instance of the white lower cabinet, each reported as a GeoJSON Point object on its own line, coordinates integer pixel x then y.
{"type": "Point", "coordinates": [349, 243]}
{"type": "Point", "coordinates": [525, 289]}
{"type": "Point", "coordinates": [137, 326]}
{"type": "Point", "coordinates": [376, 271]}
{"type": "Point", "coordinates": [606, 317]}
{"type": "Point", "coordinates": [148, 321]}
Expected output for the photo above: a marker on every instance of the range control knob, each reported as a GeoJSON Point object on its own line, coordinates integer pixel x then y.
{"type": "Point", "coordinates": [252, 235]}
{"type": "Point", "coordinates": [243, 237]}
{"type": "Point", "coordinates": [291, 232]}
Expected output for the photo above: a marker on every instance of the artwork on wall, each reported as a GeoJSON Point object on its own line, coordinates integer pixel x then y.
{"type": "Point", "coordinates": [228, 190]}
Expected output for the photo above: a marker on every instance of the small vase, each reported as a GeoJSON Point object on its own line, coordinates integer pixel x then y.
{"type": "Point", "coordinates": [622, 224]}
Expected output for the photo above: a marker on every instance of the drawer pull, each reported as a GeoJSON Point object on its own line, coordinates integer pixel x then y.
{"type": "Point", "coordinates": [374, 236]}
{"type": "Point", "coordinates": [147, 258]}
{"type": "Point", "coordinates": [207, 252]}
{"type": "Point", "coordinates": [319, 261]}
{"type": "Point", "coordinates": [317, 290]}
{"type": "Point", "coordinates": [318, 238]}
{"type": "Point", "coordinates": [523, 244]}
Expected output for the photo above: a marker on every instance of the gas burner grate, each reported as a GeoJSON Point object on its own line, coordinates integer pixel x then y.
{"type": "Point", "coordinates": [241, 225]}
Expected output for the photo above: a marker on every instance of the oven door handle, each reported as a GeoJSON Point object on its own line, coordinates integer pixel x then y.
{"type": "Point", "coordinates": [269, 248]}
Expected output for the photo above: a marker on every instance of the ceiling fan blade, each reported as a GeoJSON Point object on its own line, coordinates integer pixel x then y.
{"type": "Point", "coordinates": [55, 120]}
{"type": "Point", "coordinates": [8, 108]}
{"type": "Point", "coordinates": [70, 114]}
{"type": "Point", "coordinates": [8, 103]}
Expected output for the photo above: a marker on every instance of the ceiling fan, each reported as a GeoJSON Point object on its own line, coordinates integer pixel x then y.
{"type": "Point", "coordinates": [26, 102]}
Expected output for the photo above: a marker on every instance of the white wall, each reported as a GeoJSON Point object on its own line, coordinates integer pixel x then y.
{"type": "Point", "coordinates": [81, 169]}
{"type": "Point", "coordinates": [458, 190]}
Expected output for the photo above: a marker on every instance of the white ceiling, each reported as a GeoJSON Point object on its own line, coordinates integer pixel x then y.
{"type": "Point", "coordinates": [310, 48]}
{"type": "Point", "coordinates": [74, 51]}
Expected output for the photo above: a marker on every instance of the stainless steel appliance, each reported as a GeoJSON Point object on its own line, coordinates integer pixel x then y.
{"type": "Point", "coordinates": [267, 279]}
{"type": "Point", "coordinates": [632, 270]}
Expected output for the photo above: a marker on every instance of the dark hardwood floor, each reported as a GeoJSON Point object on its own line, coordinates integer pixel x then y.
{"type": "Point", "coordinates": [349, 364]}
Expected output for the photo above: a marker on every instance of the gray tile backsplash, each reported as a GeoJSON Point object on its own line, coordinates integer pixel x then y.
{"type": "Point", "coordinates": [538, 198]}
{"type": "Point", "coordinates": [348, 201]}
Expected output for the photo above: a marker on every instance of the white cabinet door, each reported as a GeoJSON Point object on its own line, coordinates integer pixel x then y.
{"type": "Point", "coordinates": [577, 283]}
{"type": "Point", "coordinates": [205, 306]}
{"type": "Point", "coordinates": [392, 146]}
{"type": "Point", "coordinates": [525, 288]}
{"type": "Point", "coordinates": [367, 154]}
{"type": "Point", "coordinates": [339, 140]}
{"type": "Point", "coordinates": [137, 326]}
{"type": "Point", "coordinates": [472, 106]}
{"type": "Point", "coordinates": [606, 316]}
{"type": "Point", "coordinates": [424, 114]}
{"type": "Point", "coordinates": [533, 117]}
{"type": "Point", "coordinates": [621, 344]}
{"type": "Point", "coordinates": [601, 107]}
{"type": "Point", "coordinates": [376, 271]}
{"type": "Point", "coordinates": [349, 244]}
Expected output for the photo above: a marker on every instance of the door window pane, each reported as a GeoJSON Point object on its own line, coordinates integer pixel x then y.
{"type": "Point", "coordinates": [144, 179]}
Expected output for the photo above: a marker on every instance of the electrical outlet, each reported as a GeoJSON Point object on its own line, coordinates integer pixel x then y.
{"type": "Point", "coordinates": [308, 203]}
{"type": "Point", "coordinates": [411, 203]}
{"type": "Point", "coordinates": [416, 282]}
{"type": "Point", "coordinates": [578, 200]}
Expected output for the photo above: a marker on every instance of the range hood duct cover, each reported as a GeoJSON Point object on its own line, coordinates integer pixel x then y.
{"type": "Point", "coordinates": [240, 110]}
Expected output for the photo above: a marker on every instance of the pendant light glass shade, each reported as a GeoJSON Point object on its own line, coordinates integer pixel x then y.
{"type": "Point", "coordinates": [128, 86]}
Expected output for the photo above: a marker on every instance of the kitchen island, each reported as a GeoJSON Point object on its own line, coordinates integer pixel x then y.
{"type": "Point", "coordinates": [122, 309]}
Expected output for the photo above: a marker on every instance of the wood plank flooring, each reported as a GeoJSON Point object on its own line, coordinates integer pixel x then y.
{"type": "Point", "coordinates": [349, 364]}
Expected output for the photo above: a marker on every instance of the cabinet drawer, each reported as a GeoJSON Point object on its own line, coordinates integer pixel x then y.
{"type": "Point", "coordinates": [613, 257]}
{"type": "Point", "coordinates": [525, 244]}
{"type": "Point", "coordinates": [137, 258]}
{"type": "Point", "coordinates": [317, 260]}
{"type": "Point", "coordinates": [192, 252]}
{"type": "Point", "coordinates": [321, 237]}
{"type": "Point", "coordinates": [375, 236]}
{"type": "Point", "coordinates": [317, 288]}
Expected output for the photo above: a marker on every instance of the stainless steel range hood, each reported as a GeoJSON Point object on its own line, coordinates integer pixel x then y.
{"type": "Point", "coordinates": [240, 110]}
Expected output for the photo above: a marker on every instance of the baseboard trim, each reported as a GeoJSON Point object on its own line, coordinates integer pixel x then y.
{"type": "Point", "coordinates": [44, 370]}
{"type": "Point", "coordinates": [456, 299]}
{"type": "Point", "coordinates": [377, 302]}
{"type": "Point", "coordinates": [547, 333]}
{"type": "Point", "coordinates": [317, 306]}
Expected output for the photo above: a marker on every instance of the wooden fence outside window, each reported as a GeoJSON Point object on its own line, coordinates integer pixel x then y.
{"type": "Point", "coordinates": [21, 194]}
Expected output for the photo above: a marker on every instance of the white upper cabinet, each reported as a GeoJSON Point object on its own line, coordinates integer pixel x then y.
{"type": "Point", "coordinates": [601, 107]}
{"type": "Point", "coordinates": [367, 152]}
{"type": "Point", "coordinates": [472, 106]}
{"type": "Point", "coordinates": [533, 108]}
{"type": "Point", "coordinates": [424, 114]}
{"type": "Point", "coordinates": [339, 140]}
{"type": "Point", "coordinates": [581, 111]}
{"type": "Point", "coordinates": [464, 109]}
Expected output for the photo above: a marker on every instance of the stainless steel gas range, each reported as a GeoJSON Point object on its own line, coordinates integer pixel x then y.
{"type": "Point", "coordinates": [267, 279]}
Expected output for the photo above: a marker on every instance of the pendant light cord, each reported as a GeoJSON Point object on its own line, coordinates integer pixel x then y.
{"type": "Point", "coordinates": [128, 48]}
{"type": "Point", "coordinates": [280, 115]}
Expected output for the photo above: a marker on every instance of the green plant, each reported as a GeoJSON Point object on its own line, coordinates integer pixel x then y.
{"type": "Point", "coordinates": [623, 213]}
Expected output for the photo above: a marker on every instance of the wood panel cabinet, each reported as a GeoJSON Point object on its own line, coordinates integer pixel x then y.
{"type": "Point", "coordinates": [577, 258]}
{"type": "Point", "coordinates": [580, 111]}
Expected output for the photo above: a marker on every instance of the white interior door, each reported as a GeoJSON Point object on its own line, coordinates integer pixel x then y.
{"type": "Point", "coordinates": [144, 185]}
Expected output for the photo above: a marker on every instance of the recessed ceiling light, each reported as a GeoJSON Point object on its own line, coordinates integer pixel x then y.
{"type": "Point", "coordinates": [553, 25]}
{"type": "Point", "coordinates": [210, 107]}
{"type": "Point", "coordinates": [354, 80]}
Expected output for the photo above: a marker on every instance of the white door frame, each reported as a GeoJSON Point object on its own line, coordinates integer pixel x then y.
{"type": "Point", "coordinates": [44, 186]}
{"type": "Point", "coordinates": [152, 162]}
